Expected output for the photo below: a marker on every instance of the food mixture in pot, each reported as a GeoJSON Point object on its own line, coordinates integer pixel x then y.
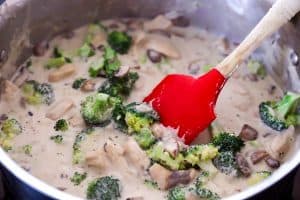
{"type": "Point", "coordinates": [73, 115]}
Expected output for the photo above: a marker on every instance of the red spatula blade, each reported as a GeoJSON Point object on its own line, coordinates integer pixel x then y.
{"type": "Point", "coordinates": [187, 103]}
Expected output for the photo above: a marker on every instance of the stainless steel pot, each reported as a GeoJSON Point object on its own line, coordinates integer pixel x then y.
{"type": "Point", "coordinates": [25, 22]}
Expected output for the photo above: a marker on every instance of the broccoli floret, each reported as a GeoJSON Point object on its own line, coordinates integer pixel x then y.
{"type": "Point", "coordinates": [10, 128]}
{"type": "Point", "coordinates": [77, 178]}
{"type": "Point", "coordinates": [86, 50]}
{"type": "Point", "coordinates": [151, 184]}
{"type": "Point", "coordinates": [97, 109]}
{"type": "Point", "coordinates": [104, 188]}
{"type": "Point", "coordinates": [139, 116]}
{"type": "Point", "coordinates": [78, 83]}
{"type": "Point", "coordinates": [27, 149]}
{"type": "Point", "coordinates": [258, 177]}
{"type": "Point", "coordinates": [77, 156]}
{"type": "Point", "coordinates": [61, 125]}
{"type": "Point", "coordinates": [159, 155]}
{"type": "Point", "coordinates": [280, 115]}
{"type": "Point", "coordinates": [119, 41]}
{"type": "Point", "coordinates": [197, 153]}
{"type": "Point", "coordinates": [134, 117]}
{"type": "Point", "coordinates": [145, 138]}
{"type": "Point", "coordinates": [207, 194]}
{"type": "Point", "coordinates": [176, 193]}
{"type": "Point", "coordinates": [257, 68]}
{"type": "Point", "coordinates": [58, 139]}
{"type": "Point", "coordinates": [119, 86]}
{"type": "Point", "coordinates": [109, 64]}
{"type": "Point", "coordinates": [36, 93]}
{"type": "Point", "coordinates": [96, 67]}
{"type": "Point", "coordinates": [58, 59]}
{"type": "Point", "coordinates": [226, 163]}
{"type": "Point", "coordinates": [227, 142]}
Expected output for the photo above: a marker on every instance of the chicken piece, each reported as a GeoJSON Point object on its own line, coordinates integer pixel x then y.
{"type": "Point", "coordinates": [97, 159]}
{"type": "Point", "coordinates": [62, 73]}
{"type": "Point", "coordinates": [136, 155]}
{"type": "Point", "coordinates": [9, 90]}
{"type": "Point", "coordinates": [59, 109]}
{"type": "Point", "coordinates": [158, 23]}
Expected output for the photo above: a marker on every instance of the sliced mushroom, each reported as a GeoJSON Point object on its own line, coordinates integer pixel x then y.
{"type": "Point", "coordinates": [123, 71]}
{"type": "Point", "coordinates": [248, 133]}
{"type": "Point", "coordinates": [59, 109]}
{"type": "Point", "coordinates": [62, 73]}
{"type": "Point", "coordinates": [154, 56]}
{"type": "Point", "coordinates": [158, 23]}
{"type": "Point", "coordinates": [40, 48]}
{"type": "Point", "coordinates": [243, 165]}
{"type": "Point", "coordinates": [136, 155]}
{"type": "Point", "coordinates": [167, 179]}
{"type": "Point", "coordinates": [88, 86]}
{"type": "Point", "coordinates": [281, 143]}
{"type": "Point", "coordinates": [273, 163]}
{"type": "Point", "coordinates": [258, 156]}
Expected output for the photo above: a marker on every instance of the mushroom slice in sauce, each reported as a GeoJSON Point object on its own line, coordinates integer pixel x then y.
{"type": "Point", "coordinates": [258, 156]}
{"type": "Point", "coordinates": [167, 179]}
{"type": "Point", "coordinates": [158, 23]}
{"type": "Point", "coordinates": [63, 72]}
{"type": "Point", "coordinates": [273, 163]}
{"type": "Point", "coordinates": [59, 109]}
{"type": "Point", "coordinates": [243, 165]}
{"type": "Point", "coordinates": [248, 133]}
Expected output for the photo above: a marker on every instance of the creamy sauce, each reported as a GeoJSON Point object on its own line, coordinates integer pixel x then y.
{"type": "Point", "coordinates": [51, 162]}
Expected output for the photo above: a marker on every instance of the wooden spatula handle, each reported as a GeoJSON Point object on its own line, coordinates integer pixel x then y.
{"type": "Point", "coordinates": [280, 13]}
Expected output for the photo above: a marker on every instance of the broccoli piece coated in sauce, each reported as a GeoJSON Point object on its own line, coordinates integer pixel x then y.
{"type": "Point", "coordinates": [104, 188]}
{"type": "Point", "coordinates": [78, 83]}
{"type": "Point", "coordinates": [176, 193]}
{"type": "Point", "coordinates": [58, 139]}
{"type": "Point", "coordinates": [226, 163]}
{"type": "Point", "coordinates": [61, 125]}
{"type": "Point", "coordinates": [119, 41]}
{"type": "Point", "coordinates": [280, 115]}
{"type": "Point", "coordinates": [197, 153]}
{"type": "Point", "coordinates": [97, 109]}
{"type": "Point", "coordinates": [10, 128]}
{"type": "Point", "coordinates": [227, 142]}
{"type": "Point", "coordinates": [36, 93]}
{"type": "Point", "coordinates": [77, 178]}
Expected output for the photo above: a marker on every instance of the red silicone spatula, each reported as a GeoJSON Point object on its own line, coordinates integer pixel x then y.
{"type": "Point", "coordinates": [187, 103]}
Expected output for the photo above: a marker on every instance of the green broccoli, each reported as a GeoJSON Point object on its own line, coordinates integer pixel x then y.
{"type": "Point", "coordinates": [134, 117]}
{"type": "Point", "coordinates": [96, 67]}
{"type": "Point", "coordinates": [226, 163]}
{"type": "Point", "coordinates": [61, 125]}
{"type": "Point", "coordinates": [119, 86]}
{"type": "Point", "coordinates": [257, 68]}
{"type": "Point", "coordinates": [200, 190]}
{"type": "Point", "coordinates": [86, 50]}
{"type": "Point", "coordinates": [27, 149]}
{"type": "Point", "coordinates": [36, 93]}
{"type": "Point", "coordinates": [77, 156]}
{"type": "Point", "coordinates": [207, 194]}
{"type": "Point", "coordinates": [258, 177]}
{"type": "Point", "coordinates": [77, 178]}
{"type": "Point", "coordinates": [78, 83]}
{"type": "Point", "coordinates": [119, 41]}
{"type": "Point", "coordinates": [151, 184]}
{"type": "Point", "coordinates": [58, 139]}
{"type": "Point", "coordinates": [157, 154]}
{"type": "Point", "coordinates": [145, 138]}
{"type": "Point", "coordinates": [109, 64]}
{"type": "Point", "coordinates": [227, 142]}
{"type": "Point", "coordinates": [104, 188]}
{"type": "Point", "coordinates": [59, 58]}
{"type": "Point", "coordinates": [176, 193]}
{"type": "Point", "coordinates": [97, 109]}
{"type": "Point", "coordinates": [10, 128]}
{"type": "Point", "coordinates": [197, 153]}
{"type": "Point", "coordinates": [282, 114]}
